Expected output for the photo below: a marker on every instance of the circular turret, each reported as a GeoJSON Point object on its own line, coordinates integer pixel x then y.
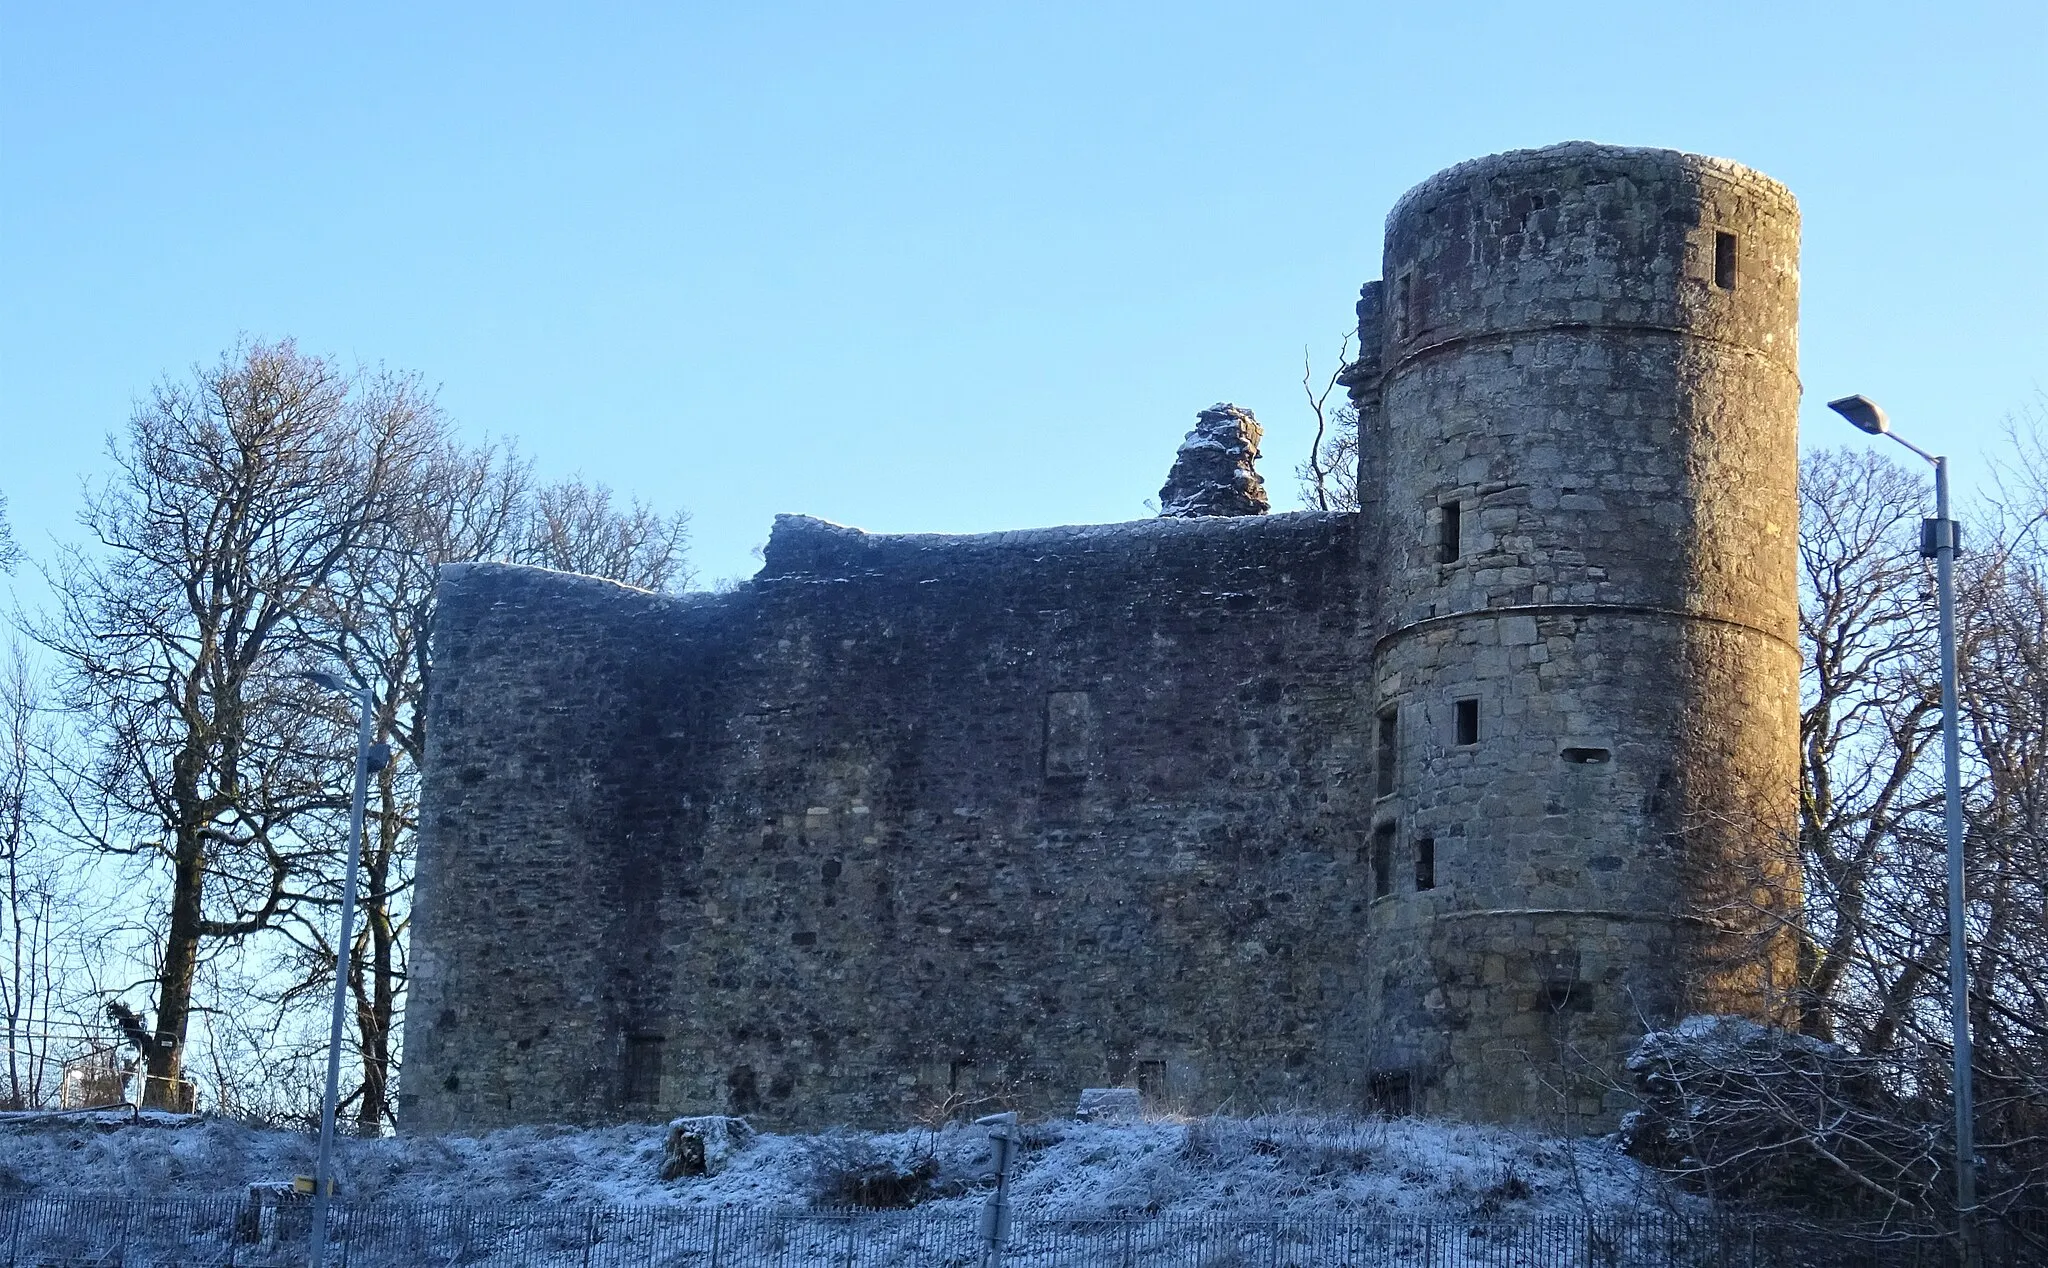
{"type": "Point", "coordinates": [1583, 490]}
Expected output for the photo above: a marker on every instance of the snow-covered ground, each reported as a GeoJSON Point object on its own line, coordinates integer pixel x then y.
{"type": "Point", "coordinates": [1266, 1167]}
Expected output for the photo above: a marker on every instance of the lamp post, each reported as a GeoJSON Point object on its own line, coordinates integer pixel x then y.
{"type": "Point", "coordinates": [369, 757]}
{"type": "Point", "coordinates": [995, 1215]}
{"type": "Point", "coordinates": [1938, 541]}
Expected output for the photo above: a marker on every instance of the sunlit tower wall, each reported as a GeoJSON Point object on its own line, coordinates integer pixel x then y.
{"type": "Point", "coordinates": [1578, 404]}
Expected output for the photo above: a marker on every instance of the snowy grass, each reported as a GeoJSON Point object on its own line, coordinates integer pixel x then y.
{"type": "Point", "coordinates": [1277, 1166]}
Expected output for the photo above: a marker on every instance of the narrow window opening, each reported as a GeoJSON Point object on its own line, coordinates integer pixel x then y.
{"type": "Point", "coordinates": [1391, 1092]}
{"type": "Point", "coordinates": [1567, 997]}
{"type": "Point", "coordinates": [1387, 752]}
{"type": "Point", "coordinates": [1383, 860]}
{"type": "Point", "coordinates": [1404, 300]}
{"type": "Point", "coordinates": [1586, 756]}
{"type": "Point", "coordinates": [1724, 261]}
{"type": "Point", "coordinates": [960, 1076]}
{"type": "Point", "coordinates": [1449, 543]}
{"type": "Point", "coordinates": [1151, 1076]}
{"type": "Point", "coordinates": [1425, 863]}
{"type": "Point", "coordinates": [643, 1069]}
{"type": "Point", "coordinates": [1468, 721]}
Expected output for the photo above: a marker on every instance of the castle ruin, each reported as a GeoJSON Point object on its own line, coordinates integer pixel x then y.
{"type": "Point", "coordinates": [1434, 807]}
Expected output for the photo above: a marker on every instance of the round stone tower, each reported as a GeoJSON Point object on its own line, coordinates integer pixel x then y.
{"type": "Point", "coordinates": [1579, 422]}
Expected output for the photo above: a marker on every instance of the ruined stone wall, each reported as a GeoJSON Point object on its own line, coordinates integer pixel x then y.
{"type": "Point", "coordinates": [1586, 507]}
{"type": "Point", "coordinates": [903, 821]}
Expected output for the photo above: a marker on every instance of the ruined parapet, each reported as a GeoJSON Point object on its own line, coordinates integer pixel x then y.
{"type": "Point", "coordinates": [1215, 473]}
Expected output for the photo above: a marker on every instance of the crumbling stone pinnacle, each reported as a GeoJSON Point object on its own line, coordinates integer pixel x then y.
{"type": "Point", "coordinates": [1214, 472]}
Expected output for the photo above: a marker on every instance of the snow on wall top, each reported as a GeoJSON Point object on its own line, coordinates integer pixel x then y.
{"type": "Point", "coordinates": [803, 546]}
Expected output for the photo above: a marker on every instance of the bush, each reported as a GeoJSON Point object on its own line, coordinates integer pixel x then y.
{"type": "Point", "coordinates": [843, 1169]}
{"type": "Point", "coordinates": [1748, 1112]}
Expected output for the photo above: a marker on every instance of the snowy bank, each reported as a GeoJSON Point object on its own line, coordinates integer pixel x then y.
{"type": "Point", "coordinates": [1264, 1167]}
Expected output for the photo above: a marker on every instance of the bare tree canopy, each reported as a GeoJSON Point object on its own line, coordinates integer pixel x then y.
{"type": "Point", "coordinates": [38, 969]}
{"type": "Point", "coordinates": [236, 496]}
{"type": "Point", "coordinates": [574, 527]}
{"type": "Point", "coordinates": [1871, 709]}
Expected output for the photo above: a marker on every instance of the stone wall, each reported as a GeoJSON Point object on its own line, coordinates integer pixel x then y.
{"type": "Point", "coordinates": [903, 820]}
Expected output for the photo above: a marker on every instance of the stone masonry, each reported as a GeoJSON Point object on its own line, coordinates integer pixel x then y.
{"type": "Point", "coordinates": [1216, 471]}
{"type": "Point", "coordinates": [1435, 806]}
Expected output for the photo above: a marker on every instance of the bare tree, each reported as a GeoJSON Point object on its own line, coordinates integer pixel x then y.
{"type": "Point", "coordinates": [2003, 666]}
{"type": "Point", "coordinates": [236, 497]}
{"type": "Point", "coordinates": [274, 514]}
{"type": "Point", "coordinates": [39, 969]}
{"type": "Point", "coordinates": [1329, 476]}
{"type": "Point", "coordinates": [1870, 709]}
{"type": "Point", "coordinates": [10, 554]}
{"type": "Point", "coordinates": [573, 526]}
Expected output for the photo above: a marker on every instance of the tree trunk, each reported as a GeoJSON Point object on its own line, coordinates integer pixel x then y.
{"type": "Point", "coordinates": [374, 987]}
{"type": "Point", "coordinates": [163, 1083]}
{"type": "Point", "coordinates": [370, 1110]}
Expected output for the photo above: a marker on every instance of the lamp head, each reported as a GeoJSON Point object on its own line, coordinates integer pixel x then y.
{"type": "Point", "coordinates": [327, 680]}
{"type": "Point", "coordinates": [1864, 412]}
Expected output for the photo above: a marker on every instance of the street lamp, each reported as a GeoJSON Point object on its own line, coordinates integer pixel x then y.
{"type": "Point", "coordinates": [1938, 541]}
{"type": "Point", "coordinates": [369, 757]}
{"type": "Point", "coordinates": [995, 1215]}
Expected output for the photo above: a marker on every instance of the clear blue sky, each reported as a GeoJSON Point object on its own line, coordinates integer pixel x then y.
{"type": "Point", "coordinates": [946, 267]}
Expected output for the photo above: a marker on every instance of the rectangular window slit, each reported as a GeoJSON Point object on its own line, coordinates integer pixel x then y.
{"type": "Point", "coordinates": [643, 1069]}
{"type": "Point", "coordinates": [1449, 544]}
{"type": "Point", "coordinates": [1468, 722]}
{"type": "Point", "coordinates": [1724, 261]}
{"type": "Point", "coordinates": [1383, 860]}
{"type": "Point", "coordinates": [1425, 863]}
{"type": "Point", "coordinates": [1585, 756]}
{"type": "Point", "coordinates": [1073, 736]}
{"type": "Point", "coordinates": [1387, 752]}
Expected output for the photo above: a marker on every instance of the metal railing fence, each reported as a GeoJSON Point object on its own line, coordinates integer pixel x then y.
{"type": "Point", "coordinates": [106, 1232]}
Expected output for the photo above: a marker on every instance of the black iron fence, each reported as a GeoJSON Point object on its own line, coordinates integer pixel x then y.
{"type": "Point", "coordinates": [228, 1233]}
